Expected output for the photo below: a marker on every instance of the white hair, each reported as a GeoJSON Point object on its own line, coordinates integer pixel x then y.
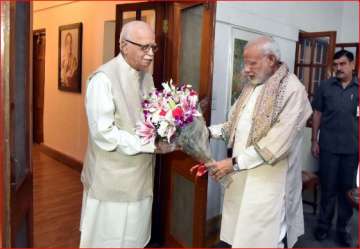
{"type": "Point", "coordinates": [273, 48]}
{"type": "Point", "coordinates": [129, 27]}
{"type": "Point", "coordinates": [268, 46]}
{"type": "Point", "coordinates": [124, 34]}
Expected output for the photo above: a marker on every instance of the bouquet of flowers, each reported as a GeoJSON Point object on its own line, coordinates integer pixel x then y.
{"type": "Point", "coordinates": [172, 114]}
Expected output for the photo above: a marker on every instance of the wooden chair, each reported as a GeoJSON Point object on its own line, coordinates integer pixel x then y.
{"type": "Point", "coordinates": [310, 181]}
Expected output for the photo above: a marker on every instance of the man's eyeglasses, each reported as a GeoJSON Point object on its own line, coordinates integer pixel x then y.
{"type": "Point", "coordinates": [146, 47]}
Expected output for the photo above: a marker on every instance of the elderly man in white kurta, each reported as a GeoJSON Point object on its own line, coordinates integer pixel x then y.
{"type": "Point", "coordinates": [262, 206]}
{"type": "Point", "coordinates": [118, 170]}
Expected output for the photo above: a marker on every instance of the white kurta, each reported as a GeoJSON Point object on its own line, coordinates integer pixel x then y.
{"type": "Point", "coordinates": [245, 188]}
{"type": "Point", "coordinates": [112, 224]}
{"type": "Point", "coordinates": [107, 224]}
{"type": "Point", "coordinates": [247, 158]}
{"type": "Point", "coordinates": [266, 193]}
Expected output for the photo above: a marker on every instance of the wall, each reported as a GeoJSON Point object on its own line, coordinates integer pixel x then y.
{"type": "Point", "coordinates": [350, 23]}
{"type": "Point", "coordinates": [65, 125]}
{"type": "Point", "coordinates": [109, 40]}
{"type": "Point", "coordinates": [286, 18]}
{"type": "Point", "coordinates": [283, 21]}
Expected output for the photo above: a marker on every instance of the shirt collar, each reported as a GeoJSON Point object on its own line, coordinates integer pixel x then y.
{"type": "Point", "coordinates": [120, 58]}
{"type": "Point", "coordinates": [353, 81]}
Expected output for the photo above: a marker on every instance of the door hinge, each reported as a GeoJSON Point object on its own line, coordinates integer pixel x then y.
{"type": "Point", "coordinates": [165, 26]}
{"type": "Point", "coordinates": [207, 4]}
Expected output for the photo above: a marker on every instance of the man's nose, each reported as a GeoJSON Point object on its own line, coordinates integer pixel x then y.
{"type": "Point", "coordinates": [337, 67]}
{"type": "Point", "coordinates": [151, 52]}
{"type": "Point", "coordinates": [246, 69]}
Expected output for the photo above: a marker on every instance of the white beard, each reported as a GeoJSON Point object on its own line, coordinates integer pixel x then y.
{"type": "Point", "coordinates": [256, 82]}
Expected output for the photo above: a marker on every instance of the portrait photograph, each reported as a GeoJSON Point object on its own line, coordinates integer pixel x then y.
{"type": "Point", "coordinates": [70, 46]}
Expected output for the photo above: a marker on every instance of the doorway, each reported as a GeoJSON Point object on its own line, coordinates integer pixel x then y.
{"type": "Point", "coordinates": [16, 65]}
{"type": "Point", "coordinates": [39, 45]}
{"type": "Point", "coordinates": [185, 35]}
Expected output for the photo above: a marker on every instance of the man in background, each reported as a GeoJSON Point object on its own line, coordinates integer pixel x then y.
{"type": "Point", "coordinates": [336, 117]}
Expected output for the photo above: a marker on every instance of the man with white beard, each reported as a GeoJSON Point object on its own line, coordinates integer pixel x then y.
{"type": "Point", "coordinates": [262, 206]}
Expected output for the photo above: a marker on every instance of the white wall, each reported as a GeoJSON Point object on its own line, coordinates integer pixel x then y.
{"type": "Point", "coordinates": [350, 23]}
{"type": "Point", "coordinates": [283, 21]}
{"type": "Point", "coordinates": [286, 18]}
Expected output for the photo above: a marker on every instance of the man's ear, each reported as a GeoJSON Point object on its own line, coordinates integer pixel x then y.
{"type": "Point", "coordinates": [352, 65]}
{"type": "Point", "coordinates": [123, 47]}
{"type": "Point", "coordinates": [272, 59]}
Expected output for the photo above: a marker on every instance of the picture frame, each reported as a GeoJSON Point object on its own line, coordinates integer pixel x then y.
{"type": "Point", "coordinates": [238, 41]}
{"type": "Point", "coordinates": [70, 57]}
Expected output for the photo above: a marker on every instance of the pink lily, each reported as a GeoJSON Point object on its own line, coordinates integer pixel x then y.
{"type": "Point", "coordinates": [146, 131]}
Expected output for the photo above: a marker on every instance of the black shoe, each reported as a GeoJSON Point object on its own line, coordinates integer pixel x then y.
{"type": "Point", "coordinates": [321, 233]}
{"type": "Point", "coordinates": [344, 238]}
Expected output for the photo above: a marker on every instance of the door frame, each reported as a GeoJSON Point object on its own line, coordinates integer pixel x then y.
{"type": "Point", "coordinates": [5, 236]}
{"type": "Point", "coordinates": [16, 196]}
{"type": "Point", "coordinates": [171, 70]}
{"type": "Point", "coordinates": [159, 7]}
{"type": "Point", "coordinates": [169, 39]}
{"type": "Point", "coordinates": [40, 89]}
{"type": "Point", "coordinates": [327, 66]}
{"type": "Point", "coordinates": [173, 13]}
{"type": "Point", "coordinates": [312, 36]}
{"type": "Point", "coordinates": [21, 192]}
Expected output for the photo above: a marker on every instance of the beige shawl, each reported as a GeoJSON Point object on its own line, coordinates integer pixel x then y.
{"type": "Point", "coordinates": [267, 108]}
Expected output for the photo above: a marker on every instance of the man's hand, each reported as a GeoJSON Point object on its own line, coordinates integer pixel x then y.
{"type": "Point", "coordinates": [221, 168]}
{"type": "Point", "coordinates": [163, 147]}
{"type": "Point", "coordinates": [204, 104]}
{"type": "Point", "coordinates": [315, 149]}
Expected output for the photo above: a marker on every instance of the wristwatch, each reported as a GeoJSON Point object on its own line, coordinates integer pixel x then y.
{"type": "Point", "coordinates": [235, 164]}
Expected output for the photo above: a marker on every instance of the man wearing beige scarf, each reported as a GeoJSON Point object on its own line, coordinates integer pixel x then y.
{"type": "Point", "coordinates": [262, 206]}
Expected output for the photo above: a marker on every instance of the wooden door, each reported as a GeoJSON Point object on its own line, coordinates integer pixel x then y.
{"type": "Point", "coordinates": [178, 26]}
{"type": "Point", "coordinates": [4, 160]}
{"type": "Point", "coordinates": [39, 43]}
{"type": "Point", "coordinates": [188, 59]}
{"type": "Point", "coordinates": [16, 103]}
{"type": "Point", "coordinates": [314, 53]}
{"type": "Point", "coordinates": [152, 13]}
{"type": "Point", "coordinates": [313, 60]}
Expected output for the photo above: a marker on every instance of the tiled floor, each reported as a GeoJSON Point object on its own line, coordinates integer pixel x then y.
{"type": "Point", "coordinates": [308, 240]}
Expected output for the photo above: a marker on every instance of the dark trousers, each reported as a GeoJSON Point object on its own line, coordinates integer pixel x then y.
{"type": "Point", "coordinates": [337, 176]}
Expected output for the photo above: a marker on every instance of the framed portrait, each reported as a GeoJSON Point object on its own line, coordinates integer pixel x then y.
{"type": "Point", "coordinates": [70, 54]}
